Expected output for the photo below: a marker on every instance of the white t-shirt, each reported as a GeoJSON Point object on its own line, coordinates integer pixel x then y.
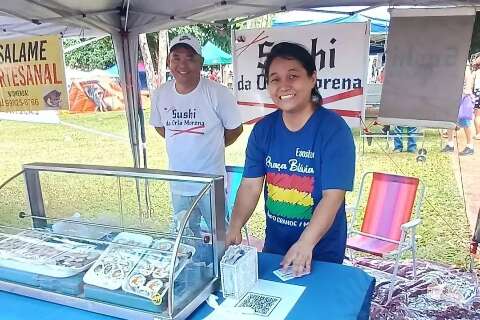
{"type": "Point", "coordinates": [194, 128]}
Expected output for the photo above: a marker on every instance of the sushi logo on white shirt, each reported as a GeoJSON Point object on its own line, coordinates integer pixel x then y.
{"type": "Point", "coordinates": [185, 122]}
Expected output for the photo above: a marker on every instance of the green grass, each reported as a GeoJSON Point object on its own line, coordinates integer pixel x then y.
{"type": "Point", "coordinates": [443, 235]}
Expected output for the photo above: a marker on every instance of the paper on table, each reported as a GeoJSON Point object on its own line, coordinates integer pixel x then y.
{"type": "Point", "coordinates": [287, 293]}
{"type": "Point", "coordinates": [287, 274]}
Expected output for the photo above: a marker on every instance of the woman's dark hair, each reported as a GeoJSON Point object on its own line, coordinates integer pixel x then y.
{"type": "Point", "coordinates": [293, 51]}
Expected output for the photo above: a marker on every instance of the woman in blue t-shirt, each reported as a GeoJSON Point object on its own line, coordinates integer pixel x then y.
{"type": "Point", "coordinates": [303, 156]}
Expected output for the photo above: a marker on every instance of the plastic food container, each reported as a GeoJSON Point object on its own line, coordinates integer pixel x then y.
{"type": "Point", "coordinates": [239, 271]}
{"type": "Point", "coordinates": [117, 261]}
{"type": "Point", "coordinates": [150, 276]}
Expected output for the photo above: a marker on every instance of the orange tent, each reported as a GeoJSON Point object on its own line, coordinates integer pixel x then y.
{"type": "Point", "coordinates": [102, 94]}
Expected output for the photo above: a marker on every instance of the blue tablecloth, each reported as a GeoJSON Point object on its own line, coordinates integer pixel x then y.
{"type": "Point", "coordinates": [16, 307]}
{"type": "Point", "coordinates": [332, 292]}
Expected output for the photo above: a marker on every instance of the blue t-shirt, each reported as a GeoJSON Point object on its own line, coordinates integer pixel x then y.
{"type": "Point", "coordinates": [297, 167]}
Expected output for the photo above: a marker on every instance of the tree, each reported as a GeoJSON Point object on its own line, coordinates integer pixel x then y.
{"type": "Point", "coordinates": [220, 36]}
{"type": "Point", "coordinates": [158, 44]}
{"type": "Point", "coordinates": [95, 55]}
{"type": "Point", "coordinates": [100, 54]}
{"type": "Point", "coordinates": [147, 62]}
{"type": "Point", "coordinates": [264, 21]}
{"type": "Point", "coordinates": [162, 55]}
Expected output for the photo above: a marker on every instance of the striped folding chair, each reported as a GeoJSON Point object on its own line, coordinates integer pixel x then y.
{"type": "Point", "coordinates": [388, 228]}
{"type": "Point", "coordinates": [234, 178]}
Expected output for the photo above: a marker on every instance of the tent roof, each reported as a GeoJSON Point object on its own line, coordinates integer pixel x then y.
{"type": "Point", "coordinates": [87, 17]}
{"type": "Point", "coordinates": [377, 25]}
{"type": "Point", "coordinates": [213, 55]}
{"type": "Point", "coordinates": [126, 19]}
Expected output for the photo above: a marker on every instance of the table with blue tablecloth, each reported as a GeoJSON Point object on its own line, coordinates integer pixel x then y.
{"type": "Point", "coordinates": [332, 291]}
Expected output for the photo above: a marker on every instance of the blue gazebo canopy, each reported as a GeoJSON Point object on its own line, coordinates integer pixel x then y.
{"type": "Point", "coordinates": [378, 27]}
{"type": "Point", "coordinates": [142, 75]}
{"type": "Point", "coordinates": [213, 55]}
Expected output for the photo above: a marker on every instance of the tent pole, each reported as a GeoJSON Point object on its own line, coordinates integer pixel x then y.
{"type": "Point", "coordinates": [365, 9]}
{"type": "Point", "coordinates": [128, 71]}
{"type": "Point", "coordinates": [122, 50]}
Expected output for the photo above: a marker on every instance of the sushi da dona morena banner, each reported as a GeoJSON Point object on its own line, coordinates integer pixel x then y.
{"type": "Point", "coordinates": [341, 57]}
{"type": "Point", "coordinates": [32, 74]}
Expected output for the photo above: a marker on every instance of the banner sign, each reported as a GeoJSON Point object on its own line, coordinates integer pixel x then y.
{"type": "Point", "coordinates": [32, 75]}
{"type": "Point", "coordinates": [425, 70]}
{"type": "Point", "coordinates": [341, 58]}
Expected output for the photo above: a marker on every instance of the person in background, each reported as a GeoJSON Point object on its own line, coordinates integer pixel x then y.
{"type": "Point", "coordinates": [213, 75]}
{"type": "Point", "coordinates": [303, 156]}
{"type": "Point", "coordinates": [198, 118]}
{"type": "Point", "coordinates": [410, 132]}
{"type": "Point", "coordinates": [476, 92]}
{"type": "Point", "coordinates": [464, 121]}
{"type": "Point", "coordinates": [381, 75]}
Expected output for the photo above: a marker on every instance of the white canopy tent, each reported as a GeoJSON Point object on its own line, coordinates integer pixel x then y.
{"type": "Point", "coordinates": [124, 20]}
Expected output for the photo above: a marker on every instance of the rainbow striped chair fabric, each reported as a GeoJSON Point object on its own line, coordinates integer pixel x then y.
{"type": "Point", "coordinates": [391, 216]}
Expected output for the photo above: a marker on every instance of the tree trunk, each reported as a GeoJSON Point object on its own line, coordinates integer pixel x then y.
{"type": "Point", "coordinates": [147, 61]}
{"type": "Point", "coordinates": [162, 55]}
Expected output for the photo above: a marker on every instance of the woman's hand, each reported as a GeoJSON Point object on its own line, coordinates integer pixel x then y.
{"type": "Point", "coordinates": [246, 201]}
{"type": "Point", "coordinates": [234, 236]}
{"type": "Point", "coordinates": [299, 256]}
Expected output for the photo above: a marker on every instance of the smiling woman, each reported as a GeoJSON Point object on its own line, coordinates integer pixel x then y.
{"type": "Point", "coordinates": [303, 156]}
{"type": "Point", "coordinates": [291, 79]}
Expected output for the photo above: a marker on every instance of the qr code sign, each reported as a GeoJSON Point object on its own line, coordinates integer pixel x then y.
{"type": "Point", "coordinates": [261, 304]}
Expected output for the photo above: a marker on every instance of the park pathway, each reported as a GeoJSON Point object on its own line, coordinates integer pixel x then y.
{"type": "Point", "coordinates": [467, 170]}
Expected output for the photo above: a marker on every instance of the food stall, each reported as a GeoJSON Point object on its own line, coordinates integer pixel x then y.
{"type": "Point", "coordinates": [133, 264]}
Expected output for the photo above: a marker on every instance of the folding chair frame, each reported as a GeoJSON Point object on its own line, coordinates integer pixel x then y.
{"type": "Point", "coordinates": [239, 170]}
{"type": "Point", "coordinates": [407, 238]}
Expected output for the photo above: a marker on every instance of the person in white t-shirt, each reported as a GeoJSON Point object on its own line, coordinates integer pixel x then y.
{"type": "Point", "coordinates": [198, 118]}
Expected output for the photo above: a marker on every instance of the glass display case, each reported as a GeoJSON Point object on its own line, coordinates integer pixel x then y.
{"type": "Point", "coordinates": [108, 239]}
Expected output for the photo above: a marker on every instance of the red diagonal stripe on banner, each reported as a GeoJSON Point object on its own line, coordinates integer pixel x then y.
{"type": "Point", "coordinates": [348, 113]}
{"type": "Point", "coordinates": [327, 100]}
{"type": "Point", "coordinates": [343, 95]}
{"type": "Point", "coordinates": [257, 39]}
{"type": "Point", "coordinates": [343, 113]}
{"type": "Point", "coordinates": [253, 121]}
{"type": "Point", "coordinates": [257, 104]}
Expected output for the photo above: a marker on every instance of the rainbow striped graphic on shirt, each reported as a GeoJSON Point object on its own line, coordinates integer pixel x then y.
{"type": "Point", "coordinates": [290, 196]}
